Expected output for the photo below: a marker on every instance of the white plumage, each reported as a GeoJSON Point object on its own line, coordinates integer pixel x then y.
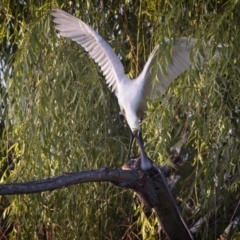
{"type": "Point", "coordinates": [131, 94]}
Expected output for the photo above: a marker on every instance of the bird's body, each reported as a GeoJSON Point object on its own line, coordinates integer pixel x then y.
{"type": "Point", "coordinates": [131, 102]}
{"type": "Point", "coordinates": [132, 94]}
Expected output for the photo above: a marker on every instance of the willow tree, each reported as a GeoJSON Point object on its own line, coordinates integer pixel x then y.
{"type": "Point", "coordinates": [59, 116]}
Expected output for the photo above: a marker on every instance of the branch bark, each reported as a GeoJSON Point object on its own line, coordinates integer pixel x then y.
{"type": "Point", "coordinates": [150, 186]}
{"type": "Point", "coordinates": [67, 179]}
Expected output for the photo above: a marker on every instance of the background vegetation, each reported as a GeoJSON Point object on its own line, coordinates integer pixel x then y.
{"type": "Point", "coordinates": [59, 116]}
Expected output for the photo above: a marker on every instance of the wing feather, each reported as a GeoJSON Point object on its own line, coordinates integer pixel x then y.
{"type": "Point", "coordinates": [75, 29]}
{"type": "Point", "coordinates": [178, 63]}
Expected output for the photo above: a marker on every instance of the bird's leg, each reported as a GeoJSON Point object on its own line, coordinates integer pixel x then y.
{"type": "Point", "coordinates": [146, 163]}
{"type": "Point", "coordinates": [130, 145]}
{"type": "Point", "coordinates": [140, 137]}
{"type": "Point", "coordinates": [140, 132]}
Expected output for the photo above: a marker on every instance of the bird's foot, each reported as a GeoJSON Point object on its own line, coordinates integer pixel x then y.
{"type": "Point", "coordinates": [137, 162]}
{"type": "Point", "coordinates": [131, 163]}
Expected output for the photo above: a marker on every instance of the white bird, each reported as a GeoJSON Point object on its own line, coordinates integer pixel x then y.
{"type": "Point", "coordinates": [131, 94]}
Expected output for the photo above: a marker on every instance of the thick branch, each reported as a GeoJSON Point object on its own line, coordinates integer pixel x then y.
{"type": "Point", "coordinates": [67, 179]}
{"type": "Point", "coordinates": [150, 186]}
{"type": "Point", "coordinates": [154, 192]}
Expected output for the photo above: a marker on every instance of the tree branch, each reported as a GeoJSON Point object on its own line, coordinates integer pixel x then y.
{"type": "Point", "coordinates": [150, 186]}
{"type": "Point", "coordinates": [67, 179]}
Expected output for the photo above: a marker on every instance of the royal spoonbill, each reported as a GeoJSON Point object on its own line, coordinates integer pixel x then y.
{"type": "Point", "coordinates": [131, 94]}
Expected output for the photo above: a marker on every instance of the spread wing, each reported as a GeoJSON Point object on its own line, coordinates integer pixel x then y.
{"type": "Point", "coordinates": [75, 29]}
{"type": "Point", "coordinates": [157, 78]}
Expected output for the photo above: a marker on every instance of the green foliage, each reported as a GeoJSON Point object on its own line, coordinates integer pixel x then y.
{"type": "Point", "coordinates": [59, 116]}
